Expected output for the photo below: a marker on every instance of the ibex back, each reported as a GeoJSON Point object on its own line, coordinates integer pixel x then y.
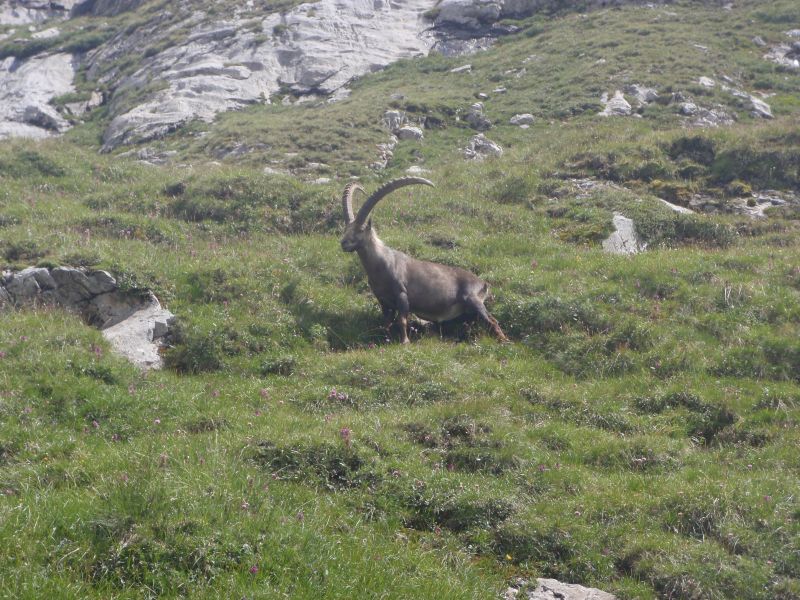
{"type": "Point", "coordinates": [405, 285]}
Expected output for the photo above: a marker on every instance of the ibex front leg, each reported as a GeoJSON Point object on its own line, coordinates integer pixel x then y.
{"type": "Point", "coordinates": [389, 314]}
{"type": "Point", "coordinates": [403, 311]}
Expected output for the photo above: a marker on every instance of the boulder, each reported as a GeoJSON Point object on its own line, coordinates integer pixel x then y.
{"type": "Point", "coordinates": [760, 108]}
{"type": "Point", "coordinates": [480, 147]}
{"type": "Point", "coordinates": [624, 239]}
{"type": "Point", "coordinates": [393, 120]}
{"type": "Point", "coordinates": [408, 132]}
{"type": "Point", "coordinates": [45, 117]}
{"type": "Point", "coordinates": [615, 106]}
{"type": "Point", "coordinates": [522, 119]}
{"type": "Point", "coordinates": [476, 118]}
{"type": "Point", "coordinates": [132, 321]}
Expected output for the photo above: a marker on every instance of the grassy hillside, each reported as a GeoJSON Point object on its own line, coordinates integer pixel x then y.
{"type": "Point", "coordinates": [639, 434]}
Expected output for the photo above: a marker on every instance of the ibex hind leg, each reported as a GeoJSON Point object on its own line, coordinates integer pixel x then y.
{"type": "Point", "coordinates": [476, 304]}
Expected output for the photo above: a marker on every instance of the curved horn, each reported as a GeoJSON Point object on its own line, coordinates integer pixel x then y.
{"type": "Point", "coordinates": [347, 201]}
{"type": "Point", "coordinates": [385, 190]}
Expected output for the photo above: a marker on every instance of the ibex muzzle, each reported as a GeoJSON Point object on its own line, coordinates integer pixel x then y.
{"type": "Point", "coordinates": [405, 285]}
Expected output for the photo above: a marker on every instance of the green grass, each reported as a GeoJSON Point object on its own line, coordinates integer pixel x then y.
{"type": "Point", "coordinates": [639, 434]}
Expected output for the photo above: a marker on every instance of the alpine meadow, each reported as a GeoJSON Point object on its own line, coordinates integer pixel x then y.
{"type": "Point", "coordinates": [623, 176]}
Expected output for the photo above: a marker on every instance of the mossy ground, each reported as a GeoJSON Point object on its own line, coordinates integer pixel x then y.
{"type": "Point", "coordinates": [639, 434]}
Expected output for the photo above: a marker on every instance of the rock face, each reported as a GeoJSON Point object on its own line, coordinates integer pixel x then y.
{"type": "Point", "coordinates": [26, 88]}
{"type": "Point", "coordinates": [312, 49]}
{"type": "Point", "coordinates": [552, 589]}
{"type": "Point", "coordinates": [133, 322]}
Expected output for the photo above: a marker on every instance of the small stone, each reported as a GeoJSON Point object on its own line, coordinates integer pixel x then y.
{"type": "Point", "coordinates": [688, 109]}
{"type": "Point", "coordinates": [500, 90]}
{"type": "Point", "coordinates": [707, 82]}
{"type": "Point", "coordinates": [482, 96]}
{"type": "Point", "coordinates": [416, 170]}
{"type": "Point", "coordinates": [759, 41]}
{"type": "Point", "coordinates": [462, 69]}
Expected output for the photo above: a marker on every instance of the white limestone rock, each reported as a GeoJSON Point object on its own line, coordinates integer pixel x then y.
{"type": "Point", "coordinates": [760, 108]}
{"type": "Point", "coordinates": [552, 589]}
{"type": "Point", "coordinates": [522, 119]}
{"type": "Point", "coordinates": [624, 239]}
{"type": "Point", "coordinates": [222, 66]}
{"type": "Point", "coordinates": [480, 147]}
{"type": "Point", "coordinates": [615, 106]}
{"type": "Point", "coordinates": [409, 132]}
{"type": "Point", "coordinates": [642, 94]}
{"type": "Point", "coordinates": [26, 88]}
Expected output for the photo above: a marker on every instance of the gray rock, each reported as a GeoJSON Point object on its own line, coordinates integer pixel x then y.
{"type": "Point", "coordinates": [393, 119]}
{"type": "Point", "coordinates": [678, 209]}
{"type": "Point", "coordinates": [642, 94]}
{"type": "Point", "coordinates": [759, 41]}
{"type": "Point", "coordinates": [223, 66]}
{"type": "Point", "coordinates": [760, 108]}
{"type": "Point", "coordinates": [522, 119]}
{"type": "Point", "coordinates": [688, 108]}
{"type": "Point", "coordinates": [552, 589]}
{"type": "Point", "coordinates": [784, 55]}
{"type": "Point", "coordinates": [101, 282]}
{"type": "Point", "coordinates": [793, 33]}
{"type": "Point", "coordinates": [44, 117]}
{"type": "Point", "coordinates": [23, 287]}
{"type": "Point", "coordinates": [416, 170]}
{"type": "Point", "coordinates": [714, 117]}
{"type": "Point", "coordinates": [46, 34]}
{"type": "Point", "coordinates": [476, 118]}
{"type": "Point", "coordinates": [624, 239]}
{"type": "Point", "coordinates": [136, 337]}
{"type": "Point", "coordinates": [462, 69]}
{"type": "Point", "coordinates": [408, 132]}
{"type": "Point", "coordinates": [133, 322]}
{"type": "Point", "coordinates": [615, 106]}
{"type": "Point", "coordinates": [707, 82]}
{"type": "Point", "coordinates": [26, 88]}
{"type": "Point", "coordinates": [480, 147]}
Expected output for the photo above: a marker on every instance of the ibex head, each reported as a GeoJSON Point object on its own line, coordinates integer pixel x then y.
{"type": "Point", "coordinates": [358, 228]}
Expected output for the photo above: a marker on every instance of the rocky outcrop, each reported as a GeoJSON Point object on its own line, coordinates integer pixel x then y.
{"type": "Point", "coordinates": [134, 322]}
{"type": "Point", "coordinates": [26, 12]}
{"type": "Point", "coordinates": [26, 88]}
{"type": "Point", "coordinates": [223, 65]}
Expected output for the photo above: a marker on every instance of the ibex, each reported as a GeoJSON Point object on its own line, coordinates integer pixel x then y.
{"type": "Point", "coordinates": [405, 285]}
